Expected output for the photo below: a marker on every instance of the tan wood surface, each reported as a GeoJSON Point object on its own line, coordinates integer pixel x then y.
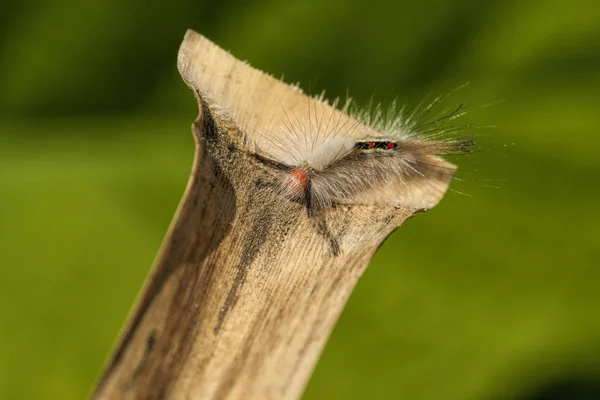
{"type": "Point", "coordinates": [246, 288]}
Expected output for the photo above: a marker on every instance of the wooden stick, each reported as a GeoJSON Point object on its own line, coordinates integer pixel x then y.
{"type": "Point", "coordinates": [245, 290]}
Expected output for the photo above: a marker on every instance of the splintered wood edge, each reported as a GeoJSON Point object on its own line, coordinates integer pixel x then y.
{"type": "Point", "coordinates": [260, 105]}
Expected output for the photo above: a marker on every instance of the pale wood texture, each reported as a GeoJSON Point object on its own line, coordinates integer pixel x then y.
{"type": "Point", "coordinates": [246, 288]}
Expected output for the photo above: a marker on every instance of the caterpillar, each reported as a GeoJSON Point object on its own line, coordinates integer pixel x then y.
{"type": "Point", "coordinates": [384, 158]}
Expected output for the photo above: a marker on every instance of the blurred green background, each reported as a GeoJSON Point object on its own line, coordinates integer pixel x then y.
{"type": "Point", "coordinates": [494, 295]}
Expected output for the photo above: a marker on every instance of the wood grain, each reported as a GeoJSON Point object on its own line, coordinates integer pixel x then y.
{"type": "Point", "coordinates": [246, 288]}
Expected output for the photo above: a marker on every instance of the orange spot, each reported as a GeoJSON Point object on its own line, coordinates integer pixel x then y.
{"type": "Point", "coordinates": [296, 180]}
{"type": "Point", "coordinates": [390, 145]}
{"type": "Point", "coordinates": [371, 145]}
{"type": "Point", "coordinates": [300, 176]}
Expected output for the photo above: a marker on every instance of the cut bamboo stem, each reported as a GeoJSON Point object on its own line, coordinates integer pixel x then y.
{"type": "Point", "coordinates": [245, 290]}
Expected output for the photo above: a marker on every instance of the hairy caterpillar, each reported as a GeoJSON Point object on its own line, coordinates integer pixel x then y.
{"type": "Point", "coordinates": [385, 157]}
{"type": "Point", "coordinates": [316, 154]}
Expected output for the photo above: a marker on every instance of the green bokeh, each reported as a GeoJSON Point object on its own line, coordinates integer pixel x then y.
{"type": "Point", "coordinates": [492, 295]}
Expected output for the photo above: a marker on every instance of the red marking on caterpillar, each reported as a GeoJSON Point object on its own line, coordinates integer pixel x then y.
{"type": "Point", "coordinates": [295, 181]}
